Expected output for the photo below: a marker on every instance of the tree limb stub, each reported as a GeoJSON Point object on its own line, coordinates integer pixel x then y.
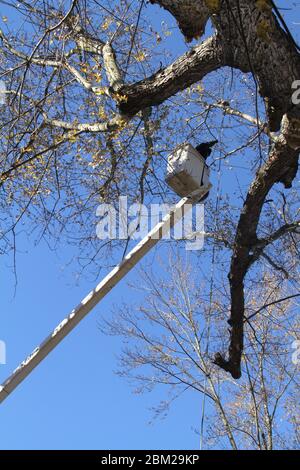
{"type": "Point", "coordinates": [112, 70]}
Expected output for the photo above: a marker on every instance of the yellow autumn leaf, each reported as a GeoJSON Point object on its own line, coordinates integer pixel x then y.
{"type": "Point", "coordinates": [106, 24]}
{"type": "Point", "coordinates": [199, 88]}
{"type": "Point", "coordinates": [100, 91]}
{"type": "Point", "coordinates": [121, 98]}
{"type": "Point", "coordinates": [72, 138]}
{"type": "Point", "coordinates": [97, 77]}
{"type": "Point", "coordinates": [140, 56]}
{"type": "Point", "coordinates": [84, 68]}
{"type": "Point", "coordinates": [102, 113]}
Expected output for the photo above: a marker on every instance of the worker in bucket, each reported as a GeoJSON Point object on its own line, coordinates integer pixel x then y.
{"type": "Point", "coordinates": [205, 150]}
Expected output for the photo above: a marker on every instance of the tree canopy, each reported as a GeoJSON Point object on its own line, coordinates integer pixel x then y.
{"type": "Point", "coordinates": [96, 100]}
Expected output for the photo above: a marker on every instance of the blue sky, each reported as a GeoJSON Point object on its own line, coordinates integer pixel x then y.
{"type": "Point", "coordinates": [73, 400]}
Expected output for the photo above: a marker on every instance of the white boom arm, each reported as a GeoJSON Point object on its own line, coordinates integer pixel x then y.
{"type": "Point", "coordinates": [92, 299]}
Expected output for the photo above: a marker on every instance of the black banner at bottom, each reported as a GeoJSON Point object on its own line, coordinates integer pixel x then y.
{"type": "Point", "coordinates": [136, 458]}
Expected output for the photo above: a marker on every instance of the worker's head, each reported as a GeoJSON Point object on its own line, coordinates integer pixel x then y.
{"type": "Point", "coordinates": [212, 143]}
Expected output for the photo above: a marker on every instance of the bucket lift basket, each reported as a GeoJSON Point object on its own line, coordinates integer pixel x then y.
{"type": "Point", "coordinates": [187, 171]}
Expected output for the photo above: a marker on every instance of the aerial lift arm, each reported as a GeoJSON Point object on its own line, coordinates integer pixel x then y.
{"type": "Point", "coordinates": [179, 181]}
{"type": "Point", "coordinates": [94, 297]}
